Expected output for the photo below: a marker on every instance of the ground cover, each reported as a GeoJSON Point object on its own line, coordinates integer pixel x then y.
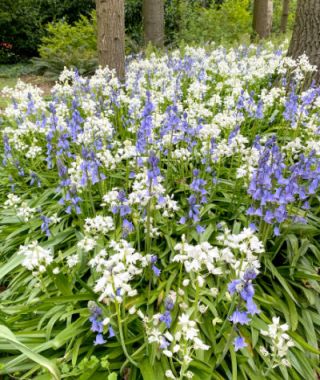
{"type": "Point", "coordinates": [166, 227]}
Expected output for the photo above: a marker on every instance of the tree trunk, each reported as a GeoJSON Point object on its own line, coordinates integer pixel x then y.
{"type": "Point", "coordinates": [284, 15]}
{"type": "Point", "coordinates": [306, 33]}
{"type": "Point", "coordinates": [153, 22]}
{"type": "Point", "coordinates": [111, 35]}
{"type": "Point", "coordinates": [262, 17]}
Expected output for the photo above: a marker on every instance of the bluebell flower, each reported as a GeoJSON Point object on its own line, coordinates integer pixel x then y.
{"type": "Point", "coordinates": [259, 111]}
{"type": "Point", "coordinates": [247, 291]}
{"type": "Point", "coordinates": [240, 317]}
{"type": "Point", "coordinates": [156, 270]}
{"type": "Point", "coordinates": [164, 344]}
{"type": "Point", "coordinates": [239, 343]}
{"type": "Point", "coordinates": [45, 225]}
{"type": "Point", "coordinates": [166, 318]}
{"type": "Point", "coordinates": [127, 227]}
{"type": "Point", "coordinates": [144, 133]}
{"type": "Point", "coordinates": [249, 274]}
{"type": "Point", "coordinates": [276, 231]}
{"type": "Point", "coordinates": [169, 303]}
{"type": "Point", "coordinates": [253, 227]}
{"type": "Point", "coordinates": [233, 286]}
{"type": "Point", "coordinates": [153, 259]}
{"type": "Point", "coordinates": [153, 171]}
{"type": "Point", "coordinates": [183, 220]}
{"type": "Point", "coordinates": [200, 229]}
{"type": "Point", "coordinates": [99, 340]}
{"type": "Point", "coordinates": [96, 326]}
{"type": "Point", "coordinates": [251, 307]}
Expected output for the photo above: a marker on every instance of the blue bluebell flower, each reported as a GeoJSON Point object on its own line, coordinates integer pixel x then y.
{"type": "Point", "coordinates": [166, 318]}
{"type": "Point", "coordinates": [99, 340]}
{"type": "Point", "coordinates": [240, 317]}
{"type": "Point", "coordinates": [239, 343]}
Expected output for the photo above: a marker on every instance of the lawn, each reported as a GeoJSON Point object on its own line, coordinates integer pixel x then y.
{"type": "Point", "coordinates": [9, 75]}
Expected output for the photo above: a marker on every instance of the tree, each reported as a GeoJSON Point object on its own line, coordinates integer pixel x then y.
{"type": "Point", "coordinates": [306, 33]}
{"type": "Point", "coordinates": [284, 15]}
{"type": "Point", "coordinates": [111, 35]}
{"type": "Point", "coordinates": [262, 17]}
{"type": "Point", "coordinates": [153, 22]}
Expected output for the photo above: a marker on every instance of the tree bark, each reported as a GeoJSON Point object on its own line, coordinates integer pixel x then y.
{"type": "Point", "coordinates": [153, 22]}
{"type": "Point", "coordinates": [262, 17]}
{"type": "Point", "coordinates": [284, 15]}
{"type": "Point", "coordinates": [111, 35]}
{"type": "Point", "coordinates": [306, 33]}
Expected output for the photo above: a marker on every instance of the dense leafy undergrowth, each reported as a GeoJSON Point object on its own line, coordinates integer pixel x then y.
{"type": "Point", "coordinates": [165, 228]}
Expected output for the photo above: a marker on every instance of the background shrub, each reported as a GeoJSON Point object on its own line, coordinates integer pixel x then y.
{"type": "Point", "coordinates": [226, 22]}
{"type": "Point", "coordinates": [23, 23]}
{"type": "Point", "coordinates": [69, 45]}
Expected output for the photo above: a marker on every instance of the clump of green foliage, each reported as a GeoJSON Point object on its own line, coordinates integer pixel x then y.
{"type": "Point", "coordinates": [69, 45]}
{"type": "Point", "coordinates": [23, 23]}
{"type": "Point", "coordinates": [228, 22]}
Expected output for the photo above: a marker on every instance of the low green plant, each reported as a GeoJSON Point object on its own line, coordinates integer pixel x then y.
{"type": "Point", "coordinates": [70, 46]}
{"type": "Point", "coordinates": [228, 22]}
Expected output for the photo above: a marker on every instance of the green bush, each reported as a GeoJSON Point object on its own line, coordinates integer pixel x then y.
{"type": "Point", "coordinates": [22, 23]}
{"type": "Point", "coordinates": [69, 45]}
{"type": "Point", "coordinates": [72, 45]}
{"type": "Point", "coordinates": [227, 22]}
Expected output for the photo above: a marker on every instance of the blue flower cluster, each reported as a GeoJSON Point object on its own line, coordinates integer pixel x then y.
{"type": "Point", "coordinates": [97, 325]}
{"type": "Point", "coordinates": [275, 185]}
{"type": "Point", "coordinates": [245, 289]}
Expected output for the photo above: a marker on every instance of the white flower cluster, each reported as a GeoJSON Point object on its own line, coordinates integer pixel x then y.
{"type": "Point", "coordinates": [238, 251]}
{"type": "Point", "coordinates": [280, 343]}
{"type": "Point", "coordinates": [22, 210]}
{"type": "Point", "coordinates": [98, 225]}
{"type": "Point", "coordinates": [112, 200]}
{"type": "Point", "coordinates": [87, 244]}
{"type": "Point", "coordinates": [185, 339]}
{"type": "Point", "coordinates": [72, 260]}
{"type": "Point", "coordinates": [27, 98]}
{"type": "Point", "coordinates": [36, 258]}
{"type": "Point", "coordinates": [94, 128]}
{"type": "Point", "coordinates": [117, 270]}
{"type": "Point", "coordinates": [179, 344]}
{"type": "Point", "coordinates": [142, 193]}
{"type": "Point", "coordinates": [241, 250]}
{"type": "Point", "coordinates": [13, 201]}
{"type": "Point", "coordinates": [198, 257]}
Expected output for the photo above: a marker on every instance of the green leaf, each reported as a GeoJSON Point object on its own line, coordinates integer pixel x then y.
{"type": "Point", "coordinates": [148, 371]}
{"type": "Point", "coordinates": [233, 363]}
{"type": "Point", "coordinates": [113, 376]}
{"type": "Point", "coordinates": [6, 334]}
{"type": "Point", "coordinates": [282, 281]}
{"type": "Point", "coordinates": [69, 332]}
{"type": "Point", "coordinates": [304, 344]}
{"type": "Point", "coordinates": [15, 261]}
{"type": "Point", "coordinates": [63, 284]}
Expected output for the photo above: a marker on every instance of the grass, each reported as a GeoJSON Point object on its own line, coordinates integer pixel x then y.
{"type": "Point", "coordinates": [9, 75]}
{"type": "Point", "coordinates": [6, 82]}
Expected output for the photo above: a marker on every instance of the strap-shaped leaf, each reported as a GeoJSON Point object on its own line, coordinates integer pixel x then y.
{"type": "Point", "coordinates": [7, 335]}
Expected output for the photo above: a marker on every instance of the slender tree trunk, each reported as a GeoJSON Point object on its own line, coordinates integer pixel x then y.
{"type": "Point", "coordinates": [262, 17]}
{"type": "Point", "coordinates": [111, 35]}
{"type": "Point", "coordinates": [306, 33]}
{"type": "Point", "coordinates": [153, 22]}
{"type": "Point", "coordinates": [284, 15]}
